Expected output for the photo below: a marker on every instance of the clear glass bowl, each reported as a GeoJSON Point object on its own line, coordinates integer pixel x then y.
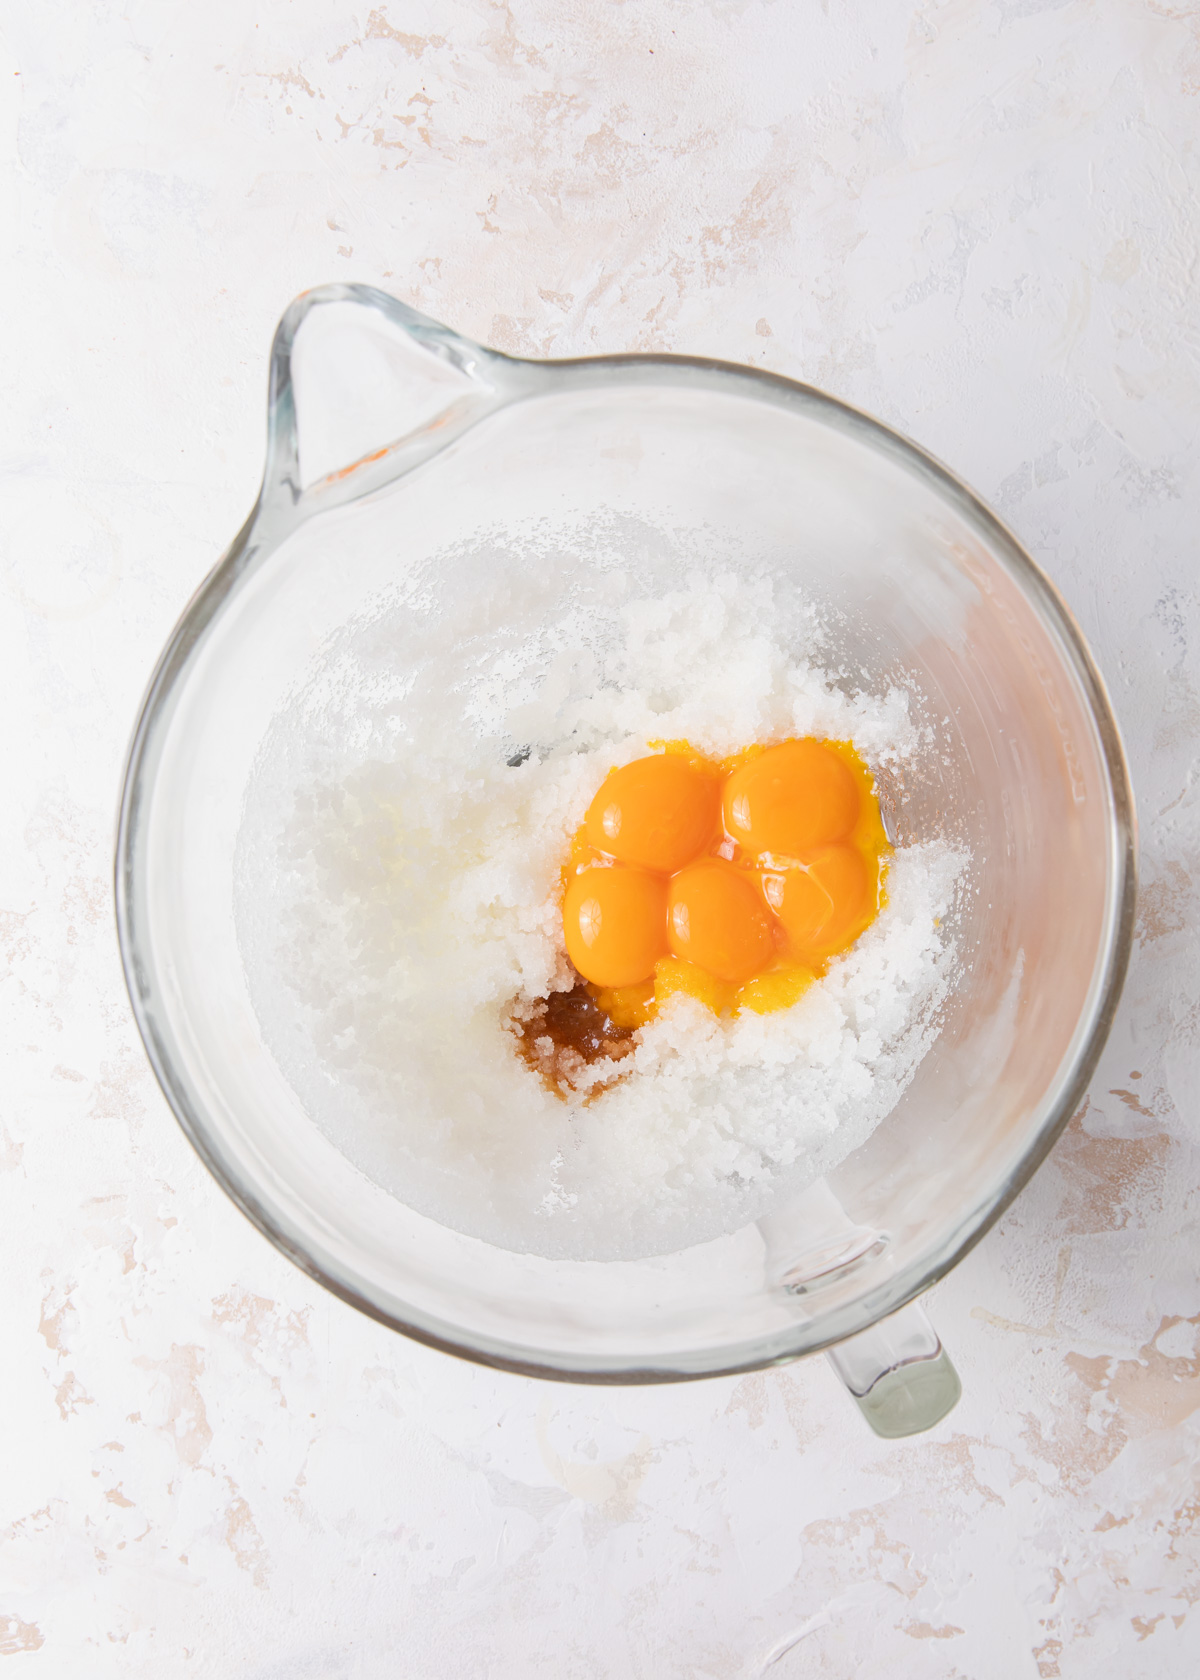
{"type": "Point", "coordinates": [923, 585]}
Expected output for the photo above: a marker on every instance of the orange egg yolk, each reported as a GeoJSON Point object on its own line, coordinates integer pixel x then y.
{"type": "Point", "coordinates": [717, 920]}
{"type": "Point", "coordinates": [735, 882]}
{"type": "Point", "coordinates": [789, 798]}
{"type": "Point", "coordinates": [825, 901]}
{"type": "Point", "coordinates": [658, 813]}
{"type": "Point", "coordinates": [615, 921]}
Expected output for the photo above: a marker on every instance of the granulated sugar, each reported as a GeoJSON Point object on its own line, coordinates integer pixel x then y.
{"type": "Point", "coordinates": [399, 898]}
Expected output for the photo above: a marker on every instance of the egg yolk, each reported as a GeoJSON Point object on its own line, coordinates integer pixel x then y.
{"type": "Point", "coordinates": [716, 919]}
{"type": "Point", "coordinates": [821, 902]}
{"type": "Point", "coordinates": [615, 921]}
{"type": "Point", "coordinates": [656, 812]}
{"type": "Point", "coordinates": [790, 798]}
{"type": "Point", "coordinates": [732, 882]}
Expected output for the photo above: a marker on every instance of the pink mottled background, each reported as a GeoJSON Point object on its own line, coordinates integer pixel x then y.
{"type": "Point", "coordinates": [979, 220]}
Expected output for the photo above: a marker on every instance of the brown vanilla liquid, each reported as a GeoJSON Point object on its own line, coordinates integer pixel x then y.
{"type": "Point", "coordinates": [570, 1028]}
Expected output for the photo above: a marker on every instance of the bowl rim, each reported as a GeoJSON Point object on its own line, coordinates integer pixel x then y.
{"type": "Point", "coordinates": [500, 381]}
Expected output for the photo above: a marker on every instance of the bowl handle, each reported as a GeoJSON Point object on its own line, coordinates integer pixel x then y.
{"type": "Point", "coordinates": [488, 381]}
{"type": "Point", "coordinates": [898, 1373]}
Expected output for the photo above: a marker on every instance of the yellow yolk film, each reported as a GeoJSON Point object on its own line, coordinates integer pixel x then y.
{"type": "Point", "coordinates": [734, 882]}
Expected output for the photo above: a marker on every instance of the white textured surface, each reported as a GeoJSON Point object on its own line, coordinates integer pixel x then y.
{"type": "Point", "coordinates": [979, 221]}
{"type": "Point", "coordinates": [395, 1044]}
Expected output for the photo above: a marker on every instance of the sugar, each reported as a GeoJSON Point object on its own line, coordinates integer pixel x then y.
{"type": "Point", "coordinates": [399, 906]}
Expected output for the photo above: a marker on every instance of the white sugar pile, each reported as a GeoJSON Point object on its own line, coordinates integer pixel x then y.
{"type": "Point", "coordinates": [408, 896]}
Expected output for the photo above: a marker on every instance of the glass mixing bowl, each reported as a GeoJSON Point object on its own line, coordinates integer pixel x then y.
{"type": "Point", "coordinates": [391, 441]}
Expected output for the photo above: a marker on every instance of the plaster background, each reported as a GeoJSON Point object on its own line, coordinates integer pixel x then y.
{"type": "Point", "coordinates": [978, 220]}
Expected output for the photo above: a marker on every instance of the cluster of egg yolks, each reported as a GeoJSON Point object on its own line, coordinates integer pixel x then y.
{"type": "Point", "coordinates": [732, 881]}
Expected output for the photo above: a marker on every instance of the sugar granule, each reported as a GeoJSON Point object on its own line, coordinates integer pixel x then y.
{"type": "Point", "coordinates": [410, 907]}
